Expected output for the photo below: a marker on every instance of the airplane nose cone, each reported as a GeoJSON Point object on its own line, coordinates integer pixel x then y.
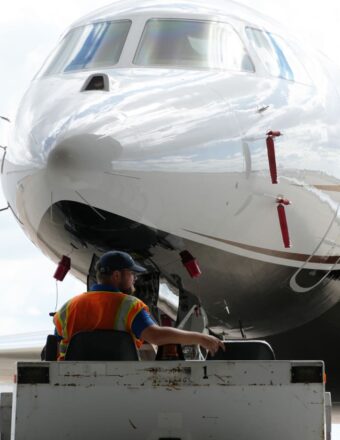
{"type": "Point", "coordinates": [80, 161]}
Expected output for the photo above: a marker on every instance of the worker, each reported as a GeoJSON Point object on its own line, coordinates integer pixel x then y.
{"type": "Point", "coordinates": [110, 305]}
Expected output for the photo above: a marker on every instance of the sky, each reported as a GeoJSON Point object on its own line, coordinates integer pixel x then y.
{"type": "Point", "coordinates": [28, 33]}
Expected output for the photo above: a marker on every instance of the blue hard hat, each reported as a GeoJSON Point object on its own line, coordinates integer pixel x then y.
{"type": "Point", "coordinates": [116, 260]}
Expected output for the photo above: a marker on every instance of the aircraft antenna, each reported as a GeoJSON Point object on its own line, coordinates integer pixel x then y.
{"type": "Point", "coordinates": [241, 329]}
{"type": "Point", "coordinates": [56, 295]}
{"type": "Point", "coordinates": [4, 149]}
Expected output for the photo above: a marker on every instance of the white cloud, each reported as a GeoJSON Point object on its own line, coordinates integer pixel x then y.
{"type": "Point", "coordinates": [317, 23]}
{"type": "Point", "coordinates": [59, 13]}
{"type": "Point", "coordinates": [34, 311]}
{"type": "Point", "coordinates": [28, 293]}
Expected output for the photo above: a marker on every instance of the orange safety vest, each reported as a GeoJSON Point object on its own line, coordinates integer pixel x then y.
{"type": "Point", "coordinates": [97, 311]}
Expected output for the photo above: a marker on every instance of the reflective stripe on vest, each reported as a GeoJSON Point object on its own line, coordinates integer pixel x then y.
{"type": "Point", "coordinates": [125, 314]}
{"type": "Point", "coordinates": [60, 320]}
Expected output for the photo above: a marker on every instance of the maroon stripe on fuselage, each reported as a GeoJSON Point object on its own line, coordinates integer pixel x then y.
{"type": "Point", "coordinates": [273, 253]}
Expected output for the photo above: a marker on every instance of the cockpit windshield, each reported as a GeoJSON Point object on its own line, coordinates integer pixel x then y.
{"type": "Point", "coordinates": [93, 46]}
{"type": "Point", "coordinates": [278, 57]}
{"type": "Point", "coordinates": [192, 44]}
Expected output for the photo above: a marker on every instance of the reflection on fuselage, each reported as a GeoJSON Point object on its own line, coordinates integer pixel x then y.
{"type": "Point", "coordinates": [171, 155]}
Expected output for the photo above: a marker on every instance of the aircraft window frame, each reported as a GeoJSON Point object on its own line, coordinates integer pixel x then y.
{"type": "Point", "coordinates": [228, 25]}
{"type": "Point", "coordinates": [48, 69]}
{"type": "Point", "coordinates": [286, 61]}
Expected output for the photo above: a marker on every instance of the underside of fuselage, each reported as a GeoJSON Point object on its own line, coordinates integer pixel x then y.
{"type": "Point", "coordinates": [240, 295]}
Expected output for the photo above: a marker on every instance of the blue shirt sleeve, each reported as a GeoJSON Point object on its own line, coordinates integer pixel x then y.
{"type": "Point", "coordinates": [141, 322]}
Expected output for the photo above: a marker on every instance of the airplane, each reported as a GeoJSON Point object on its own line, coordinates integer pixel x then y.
{"type": "Point", "coordinates": [203, 139]}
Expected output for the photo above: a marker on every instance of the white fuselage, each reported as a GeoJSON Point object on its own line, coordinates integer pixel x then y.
{"type": "Point", "coordinates": [182, 152]}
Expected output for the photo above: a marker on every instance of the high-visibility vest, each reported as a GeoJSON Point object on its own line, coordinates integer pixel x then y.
{"type": "Point", "coordinates": [97, 311]}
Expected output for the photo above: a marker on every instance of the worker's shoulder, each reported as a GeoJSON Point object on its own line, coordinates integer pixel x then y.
{"type": "Point", "coordinates": [81, 297]}
{"type": "Point", "coordinates": [94, 296]}
{"type": "Point", "coordinates": [133, 301]}
{"type": "Point", "coordinates": [97, 295]}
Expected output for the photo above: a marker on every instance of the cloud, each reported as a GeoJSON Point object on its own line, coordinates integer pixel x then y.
{"type": "Point", "coordinates": [55, 14]}
{"type": "Point", "coordinates": [28, 293]}
{"type": "Point", "coordinates": [317, 24]}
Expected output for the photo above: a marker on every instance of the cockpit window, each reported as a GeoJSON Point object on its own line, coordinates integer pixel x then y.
{"type": "Point", "coordinates": [89, 47]}
{"type": "Point", "coordinates": [192, 44]}
{"type": "Point", "coordinates": [277, 56]}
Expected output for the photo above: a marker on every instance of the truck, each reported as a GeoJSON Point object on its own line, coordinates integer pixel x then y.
{"type": "Point", "coordinates": [209, 398]}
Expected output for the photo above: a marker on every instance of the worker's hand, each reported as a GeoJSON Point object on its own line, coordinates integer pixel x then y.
{"type": "Point", "coordinates": [212, 344]}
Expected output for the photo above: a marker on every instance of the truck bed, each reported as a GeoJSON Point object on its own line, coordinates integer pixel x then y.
{"type": "Point", "coordinates": [196, 400]}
